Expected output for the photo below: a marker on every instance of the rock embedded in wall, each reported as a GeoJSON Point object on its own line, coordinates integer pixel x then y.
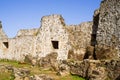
{"type": "Point", "coordinates": [50, 61]}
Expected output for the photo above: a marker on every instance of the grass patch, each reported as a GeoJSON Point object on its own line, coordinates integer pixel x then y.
{"type": "Point", "coordinates": [6, 76]}
{"type": "Point", "coordinates": [77, 78]}
{"type": "Point", "coordinates": [72, 77]}
{"type": "Point", "coordinates": [33, 70]}
{"type": "Point", "coordinates": [14, 63]}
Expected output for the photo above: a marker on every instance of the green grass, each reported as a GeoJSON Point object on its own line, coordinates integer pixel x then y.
{"type": "Point", "coordinates": [6, 76]}
{"type": "Point", "coordinates": [77, 78]}
{"type": "Point", "coordinates": [14, 63]}
{"type": "Point", "coordinates": [72, 77]}
{"type": "Point", "coordinates": [33, 70]}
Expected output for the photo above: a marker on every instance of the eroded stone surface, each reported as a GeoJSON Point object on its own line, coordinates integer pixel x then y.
{"type": "Point", "coordinates": [53, 36]}
{"type": "Point", "coordinates": [2, 33]}
{"type": "Point", "coordinates": [55, 40]}
{"type": "Point", "coordinates": [27, 32]}
{"type": "Point", "coordinates": [93, 69]}
{"type": "Point", "coordinates": [50, 61]}
{"type": "Point", "coordinates": [108, 34]}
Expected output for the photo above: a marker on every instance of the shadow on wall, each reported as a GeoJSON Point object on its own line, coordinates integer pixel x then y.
{"type": "Point", "coordinates": [94, 31]}
{"type": "Point", "coordinates": [6, 44]}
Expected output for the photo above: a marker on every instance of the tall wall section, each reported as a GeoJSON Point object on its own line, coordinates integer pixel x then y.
{"type": "Point", "coordinates": [79, 39]}
{"type": "Point", "coordinates": [52, 37]}
{"type": "Point", "coordinates": [108, 34]}
{"type": "Point", "coordinates": [71, 41]}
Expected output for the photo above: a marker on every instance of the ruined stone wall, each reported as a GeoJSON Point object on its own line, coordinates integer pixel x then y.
{"type": "Point", "coordinates": [108, 34]}
{"type": "Point", "coordinates": [27, 32]}
{"type": "Point", "coordinates": [52, 32]}
{"type": "Point", "coordinates": [2, 33]}
{"type": "Point", "coordinates": [22, 46]}
{"type": "Point", "coordinates": [18, 48]}
{"type": "Point", "coordinates": [3, 44]}
{"type": "Point", "coordinates": [80, 38]}
{"type": "Point", "coordinates": [52, 37]}
{"type": "Point", "coordinates": [81, 34]}
{"type": "Point", "coordinates": [3, 48]}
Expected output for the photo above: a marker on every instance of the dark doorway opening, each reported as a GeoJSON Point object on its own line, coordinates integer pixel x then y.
{"type": "Point", "coordinates": [6, 44]}
{"type": "Point", "coordinates": [55, 44]}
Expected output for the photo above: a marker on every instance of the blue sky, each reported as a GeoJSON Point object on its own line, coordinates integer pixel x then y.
{"type": "Point", "coordinates": [26, 14]}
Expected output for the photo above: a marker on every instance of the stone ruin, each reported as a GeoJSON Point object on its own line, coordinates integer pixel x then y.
{"type": "Point", "coordinates": [96, 43]}
{"type": "Point", "coordinates": [53, 36]}
{"type": "Point", "coordinates": [98, 39]}
{"type": "Point", "coordinates": [108, 30]}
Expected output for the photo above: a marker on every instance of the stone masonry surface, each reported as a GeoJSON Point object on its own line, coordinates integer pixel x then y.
{"type": "Point", "coordinates": [52, 36]}
{"type": "Point", "coordinates": [108, 34]}
{"type": "Point", "coordinates": [102, 36]}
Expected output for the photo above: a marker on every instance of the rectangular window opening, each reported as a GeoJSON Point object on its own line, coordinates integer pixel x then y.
{"type": "Point", "coordinates": [6, 44]}
{"type": "Point", "coordinates": [55, 44]}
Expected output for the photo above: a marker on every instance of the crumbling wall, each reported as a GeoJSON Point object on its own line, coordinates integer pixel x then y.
{"type": "Point", "coordinates": [22, 46]}
{"type": "Point", "coordinates": [27, 32]}
{"type": "Point", "coordinates": [54, 36]}
{"type": "Point", "coordinates": [3, 42]}
{"type": "Point", "coordinates": [3, 48]}
{"type": "Point", "coordinates": [2, 33]}
{"type": "Point", "coordinates": [18, 48]}
{"type": "Point", "coordinates": [51, 34]}
{"type": "Point", "coordinates": [79, 39]}
{"type": "Point", "coordinates": [108, 34]}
